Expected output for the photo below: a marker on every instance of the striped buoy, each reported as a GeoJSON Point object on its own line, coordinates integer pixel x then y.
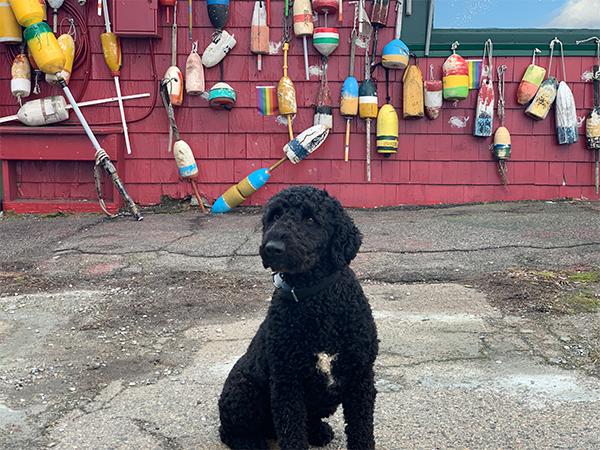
{"type": "Point", "coordinates": [235, 195]}
{"type": "Point", "coordinates": [20, 83]}
{"type": "Point", "coordinates": [387, 130]}
{"type": "Point", "coordinates": [529, 85]}
{"type": "Point", "coordinates": [432, 97]}
{"type": "Point", "coordinates": [44, 48]}
{"type": "Point", "coordinates": [221, 96]}
{"type": "Point", "coordinates": [455, 76]}
{"type": "Point", "coordinates": [326, 40]}
{"type": "Point", "coordinates": [10, 30]}
{"type": "Point", "coordinates": [175, 85]}
{"type": "Point", "coordinates": [218, 12]}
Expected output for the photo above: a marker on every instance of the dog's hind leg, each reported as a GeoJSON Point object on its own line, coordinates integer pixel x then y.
{"type": "Point", "coordinates": [245, 418]}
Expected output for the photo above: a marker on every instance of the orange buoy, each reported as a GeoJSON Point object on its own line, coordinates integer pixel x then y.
{"type": "Point", "coordinates": [455, 76]}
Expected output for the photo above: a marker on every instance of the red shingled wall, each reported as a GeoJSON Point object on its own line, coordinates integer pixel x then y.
{"type": "Point", "coordinates": [435, 163]}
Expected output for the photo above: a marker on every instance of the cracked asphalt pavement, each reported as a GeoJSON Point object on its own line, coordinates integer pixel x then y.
{"type": "Point", "coordinates": [117, 334]}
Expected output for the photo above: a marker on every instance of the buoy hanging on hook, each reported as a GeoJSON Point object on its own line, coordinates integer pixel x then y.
{"type": "Point", "coordinates": [529, 85]}
{"type": "Point", "coordinates": [20, 83]}
{"type": "Point", "coordinates": [455, 76]}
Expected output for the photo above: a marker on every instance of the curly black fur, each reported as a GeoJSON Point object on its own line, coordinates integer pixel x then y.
{"type": "Point", "coordinates": [278, 389]}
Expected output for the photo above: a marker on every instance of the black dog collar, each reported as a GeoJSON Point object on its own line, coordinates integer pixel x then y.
{"type": "Point", "coordinates": [291, 293]}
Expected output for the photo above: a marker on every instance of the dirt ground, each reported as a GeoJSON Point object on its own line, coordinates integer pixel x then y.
{"type": "Point", "coordinates": [134, 328]}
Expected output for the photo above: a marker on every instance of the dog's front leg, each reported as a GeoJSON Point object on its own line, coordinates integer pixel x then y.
{"type": "Point", "coordinates": [359, 407]}
{"type": "Point", "coordinates": [289, 414]}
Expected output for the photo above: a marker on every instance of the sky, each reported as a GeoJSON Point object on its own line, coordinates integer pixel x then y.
{"type": "Point", "coordinates": [517, 14]}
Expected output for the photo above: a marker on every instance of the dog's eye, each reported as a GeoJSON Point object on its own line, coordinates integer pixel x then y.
{"type": "Point", "coordinates": [275, 217]}
{"type": "Point", "coordinates": [310, 220]}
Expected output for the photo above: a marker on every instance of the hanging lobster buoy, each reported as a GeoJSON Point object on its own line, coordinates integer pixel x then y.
{"type": "Point", "coordinates": [544, 98]}
{"type": "Point", "coordinates": [455, 77]}
{"type": "Point", "coordinates": [259, 32]}
{"type": "Point", "coordinates": [55, 4]}
{"type": "Point", "coordinates": [303, 26]}
{"type": "Point", "coordinates": [395, 55]}
{"type": "Point", "coordinates": [221, 96]}
{"type": "Point", "coordinates": [529, 85]}
{"type": "Point", "coordinates": [412, 102]}
{"type": "Point", "coordinates": [367, 110]}
{"type": "Point", "coordinates": [325, 6]}
{"type": "Point", "coordinates": [286, 94]}
{"type": "Point", "coordinates": [484, 111]}
{"type": "Point", "coordinates": [20, 83]}
{"type": "Point", "coordinates": [67, 45]}
{"type": "Point", "coordinates": [175, 85]}
{"type": "Point", "coordinates": [349, 106]}
{"type": "Point", "coordinates": [194, 73]}
{"type": "Point", "coordinates": [44, 48]}
{"type": "Point", "coordinates": [566, 115]}
{"type": "Point", "coordinates": [218, 12]}
{"type": "Point", "coordinates": [27, 12]}
{"type": "Point", "coordinates": [326, 40]}
{"type": "Point", "coordinates": [379, 16]}
{"type": "Point", "coordinates": [387, 130]}
{"type": "Point", "coordinates": [432, 97]}
{"type": "Point", "coordinates": [502, 143]}
{"type": "Point", "coordinates": [10, 30]}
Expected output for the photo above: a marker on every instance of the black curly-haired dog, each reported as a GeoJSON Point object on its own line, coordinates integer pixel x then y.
{"type": "Point", "coordinates": [316, 348]}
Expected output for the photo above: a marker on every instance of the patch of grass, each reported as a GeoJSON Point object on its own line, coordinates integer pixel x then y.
{"type": "Point", "coordinates": [584, 277]}
{"type": "Point", "coordinates": [580, 302]}
{"type": "Point", "coordinates": [545, 274]}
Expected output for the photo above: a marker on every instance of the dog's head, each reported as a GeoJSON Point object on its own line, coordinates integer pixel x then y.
{"type": "Point", "coordinates": [304, 228]}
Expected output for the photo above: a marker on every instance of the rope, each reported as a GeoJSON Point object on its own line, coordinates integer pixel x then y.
{"type": "Point", "coordinates": [502, 171]}
{"type": "Point", "coordinates": [501, 102]}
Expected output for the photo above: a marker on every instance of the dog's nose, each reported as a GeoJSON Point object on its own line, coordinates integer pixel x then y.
{"type": "Point", "coordinates": [274, 248]}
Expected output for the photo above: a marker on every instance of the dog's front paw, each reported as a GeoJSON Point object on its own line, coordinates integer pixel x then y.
{"type": "Point", "coordinates": [320, 434]}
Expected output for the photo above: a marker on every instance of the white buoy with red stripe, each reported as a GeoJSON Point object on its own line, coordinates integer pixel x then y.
{"type": "Point", "coordinates": [455, 76]}
{"type": "Point", "coordinates": [303, 26]}
{"type": "Point", "coordinates": [259, 32]}
{"type": "Point", "coordinates": [432, 95]}
{"type": "Point", "coordinates": [20, 83]}
{"type": "Point", "coordinates": [326, 40]}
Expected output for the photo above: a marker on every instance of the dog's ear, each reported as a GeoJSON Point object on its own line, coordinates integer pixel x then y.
{"type": "Point", "coordinates": [346, 238]}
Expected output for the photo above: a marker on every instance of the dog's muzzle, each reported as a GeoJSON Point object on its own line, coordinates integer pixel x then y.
{"type": "Point", "coordinates": [271, 252]}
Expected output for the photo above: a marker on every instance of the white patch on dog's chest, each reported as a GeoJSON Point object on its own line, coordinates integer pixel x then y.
{"type": "Point", "coordinates": [324, 365]}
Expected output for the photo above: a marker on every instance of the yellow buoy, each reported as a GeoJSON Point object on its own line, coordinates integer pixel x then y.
{"type": "Point", "coordinates": [10, 30]}
{"type": "Point", "coordinates": [387, 130]}
{"type": "Point", "coordinates": [67, 45]}
{"type": "Point", "coordinates": [27, 12]}
{"type": "Point", "coordinates": [44, 48]}
{"type": "Point", "coordinates": [413, 106]}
